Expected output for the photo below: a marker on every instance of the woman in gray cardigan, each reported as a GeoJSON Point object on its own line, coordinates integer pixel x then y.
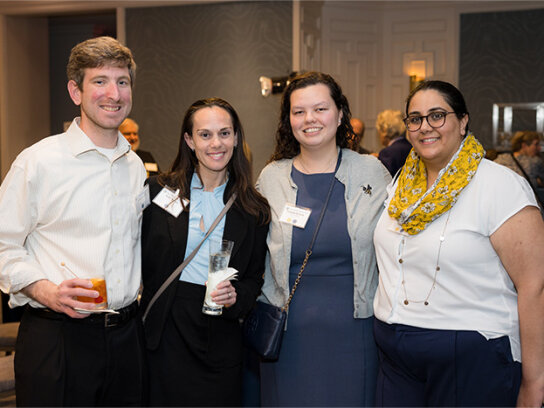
{"type": "Point", "coordinates": [328, 356]}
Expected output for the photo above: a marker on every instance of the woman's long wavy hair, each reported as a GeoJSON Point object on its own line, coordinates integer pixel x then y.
{"type": "Point", "coordinates": [287, 146]}
{"type": "Point", "coordinates": [239, 169]}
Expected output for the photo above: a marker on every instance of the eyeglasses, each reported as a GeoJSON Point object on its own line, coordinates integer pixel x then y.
{"type": "Point", "coordinates": [434, 119]}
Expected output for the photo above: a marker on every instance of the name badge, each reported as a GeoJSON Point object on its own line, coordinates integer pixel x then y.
{"type": "Point", "coordinates": [169, 201]}
{"type": "Point", "coordinates": [297, 216]}
{"type": "Point", "coordinates": [143, 200]}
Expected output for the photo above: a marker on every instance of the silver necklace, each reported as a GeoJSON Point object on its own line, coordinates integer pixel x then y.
{"type": "Point", "coordinates": [322, 171]}
{"type": "Point", "coordinates": [437, 268]}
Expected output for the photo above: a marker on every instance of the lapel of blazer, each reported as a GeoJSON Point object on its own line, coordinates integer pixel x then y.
{"type": "Point", "coordinates": [179, 230]}
{"type": "Point", "coordinates": [235, 228]}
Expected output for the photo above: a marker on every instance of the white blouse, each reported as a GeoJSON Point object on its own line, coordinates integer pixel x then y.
{"type": "Point", "coordinates": [471, 290]}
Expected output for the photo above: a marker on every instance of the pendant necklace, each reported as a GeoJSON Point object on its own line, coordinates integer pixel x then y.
{"type": "Point", "coordinates": [437, 268]}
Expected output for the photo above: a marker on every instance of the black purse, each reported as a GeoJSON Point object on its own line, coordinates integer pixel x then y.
{"type": "Point", "coordinates": [263, 330]}
{"type": "Point", "coordinates": [264, 326]}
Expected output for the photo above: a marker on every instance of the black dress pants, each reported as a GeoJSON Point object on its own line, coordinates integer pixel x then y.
{"type": "Point", "coordinates": [60, 361]}
{"type": "Point", "coordinates": [199, 359]}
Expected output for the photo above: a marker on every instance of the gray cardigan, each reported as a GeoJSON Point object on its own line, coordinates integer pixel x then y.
{"type": "Point", "coordinates": [365, 180]}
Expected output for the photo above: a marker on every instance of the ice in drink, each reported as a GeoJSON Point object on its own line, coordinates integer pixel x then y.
{"type": "Point", "coordinates": [100, 302]}
{"type": "Point", "coordinates": [219, 261]}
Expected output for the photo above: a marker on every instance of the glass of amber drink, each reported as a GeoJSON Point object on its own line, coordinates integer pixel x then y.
{"type": "Point", "coordinates": [100, 302]}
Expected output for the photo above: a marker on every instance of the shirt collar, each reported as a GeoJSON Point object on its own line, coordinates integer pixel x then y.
{"type": "Point", "coordinates": [198, 188]}
{"type": "Point", "coordinates": [80, 143]}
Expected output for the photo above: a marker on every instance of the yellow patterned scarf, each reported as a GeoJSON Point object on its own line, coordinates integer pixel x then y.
{"type": "Point", "coordinates": [414, 206]}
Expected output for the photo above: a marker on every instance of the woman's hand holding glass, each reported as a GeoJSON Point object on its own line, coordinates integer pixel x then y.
{"type": "Point", "coordinates": [224, 294]}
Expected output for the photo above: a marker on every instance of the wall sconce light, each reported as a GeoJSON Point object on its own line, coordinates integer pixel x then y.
{"type": "Point", "coordinates": [417, 73]}
{"type": "Point", "coordinates": [274, 85]}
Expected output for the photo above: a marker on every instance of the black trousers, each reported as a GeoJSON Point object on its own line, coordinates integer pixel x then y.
{"type": "Point", "coordinates": [199, 359]}
{"type": "Point", "coordinates": [60, 361]}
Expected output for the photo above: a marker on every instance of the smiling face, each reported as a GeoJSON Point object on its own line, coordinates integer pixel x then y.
{"type": "Point", "coordinates": [435, 146]}
{"type": "Point", "coordinates": [105, 99]}
{"type": "Point", "coordinates": [314, 117]}
{"type": "Point", "coordinates": [213, 141]}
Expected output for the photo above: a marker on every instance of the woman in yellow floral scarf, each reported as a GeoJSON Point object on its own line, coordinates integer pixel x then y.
{"type": "Point", "coordinates": [461, 290]}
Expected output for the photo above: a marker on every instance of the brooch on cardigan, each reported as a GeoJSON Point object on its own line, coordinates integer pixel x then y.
{"type": "Point", "coordinates": [367, 189]}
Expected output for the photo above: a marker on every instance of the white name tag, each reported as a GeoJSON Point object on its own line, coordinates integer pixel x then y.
{"type": "Point", "coordinates": [143, 200]}
{"type": "Point", "coordinates": [169, 201]}
{"type": "Point", "coordinates": [297, 216]}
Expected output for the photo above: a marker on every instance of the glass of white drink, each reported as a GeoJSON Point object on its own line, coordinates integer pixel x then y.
{"type": "Point", "coordinates": [220, 251]}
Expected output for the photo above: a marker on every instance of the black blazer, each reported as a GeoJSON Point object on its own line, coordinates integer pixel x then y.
{"type": "Point", "coordinates": [164, 241]}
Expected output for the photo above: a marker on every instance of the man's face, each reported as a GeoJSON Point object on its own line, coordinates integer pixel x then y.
{"type": "Point", "coordinates": [105, 98]}
{"type": "Point", "coordinates": [130, 130]}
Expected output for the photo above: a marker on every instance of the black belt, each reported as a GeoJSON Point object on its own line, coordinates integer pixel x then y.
{"type": "Point", "coordinates": [106, 319]}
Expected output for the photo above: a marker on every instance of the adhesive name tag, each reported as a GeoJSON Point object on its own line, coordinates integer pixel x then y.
{"type": "Point", "coordinates": [297, 216]}
{"type": "Point", "coordinates": [169, 201]}
{"type": "Point", "coordinates": [143, 200]}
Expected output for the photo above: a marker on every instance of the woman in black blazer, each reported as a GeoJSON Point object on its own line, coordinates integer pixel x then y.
{"type": "Point", "coordinates": [195, 359]}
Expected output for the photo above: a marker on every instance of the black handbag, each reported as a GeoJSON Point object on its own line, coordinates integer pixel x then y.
{"type": "Point", "coordinates": [264, 326]}
{"type": "Point", "coordinates": [263, 330]}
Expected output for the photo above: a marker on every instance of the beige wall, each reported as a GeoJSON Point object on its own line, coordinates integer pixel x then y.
{"type": "Point", "coordinates": [24, 85]}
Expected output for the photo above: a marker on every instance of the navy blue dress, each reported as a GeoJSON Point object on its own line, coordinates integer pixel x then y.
{"type": "Point", "coordinates": [328, 358]}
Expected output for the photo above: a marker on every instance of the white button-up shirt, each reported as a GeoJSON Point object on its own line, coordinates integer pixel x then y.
{"type": "Point", "coordinates": [64, 202]}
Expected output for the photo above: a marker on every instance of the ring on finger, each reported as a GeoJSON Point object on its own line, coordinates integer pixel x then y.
{"type": "Point", "coordinates": [229, 294]}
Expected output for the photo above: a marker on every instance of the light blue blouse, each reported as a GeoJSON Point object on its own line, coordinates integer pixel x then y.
{"type": "Point", "coordinates": [206, 205]}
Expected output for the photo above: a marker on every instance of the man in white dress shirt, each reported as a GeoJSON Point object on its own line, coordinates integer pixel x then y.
{"type": "Point", "coordinates": [70, 210]}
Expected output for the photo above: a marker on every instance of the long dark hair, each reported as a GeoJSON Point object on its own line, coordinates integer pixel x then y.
{"type": "Point", "coordinates": [240, 175]}
{"type": "Point", "coordinates": [287, 146]}
{"type": "Point", "coordinates": [449, 92]}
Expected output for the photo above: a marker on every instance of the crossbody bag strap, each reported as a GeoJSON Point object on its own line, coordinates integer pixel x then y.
{"type": "Point", "coordinates": [310, 247]}
{"type": "Point", "coordinates": [186, 261]}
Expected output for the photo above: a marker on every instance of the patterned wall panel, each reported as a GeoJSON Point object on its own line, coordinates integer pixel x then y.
{"type": "Point", "coordinates": [501, 61]}
{"type": "Point", "coordinates": [414, 36]}
{"type": "Point", "coordinates": [393, 38]}
{"type": "Point", "coordinates": [310, 32]}
{"type": "Point", "coordinates": [351, 54]}
{"type": "Point", "coordinates": [185, 53]}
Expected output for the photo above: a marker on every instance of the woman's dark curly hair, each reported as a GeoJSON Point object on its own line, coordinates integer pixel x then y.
{"type": "Point", "coordinates": [287, 146]}
{"type": "Point", "coordinates": [240, 175]}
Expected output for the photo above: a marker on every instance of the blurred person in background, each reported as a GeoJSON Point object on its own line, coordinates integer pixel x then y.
{"type": "Point", "coordinates": [356, 138]}
{"type": "Point", "coordinates": [131, 130]}
{"type": "Point", "coordinates": [525, 159]}
{"type": "Point", "coordinates": [391, 130]}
